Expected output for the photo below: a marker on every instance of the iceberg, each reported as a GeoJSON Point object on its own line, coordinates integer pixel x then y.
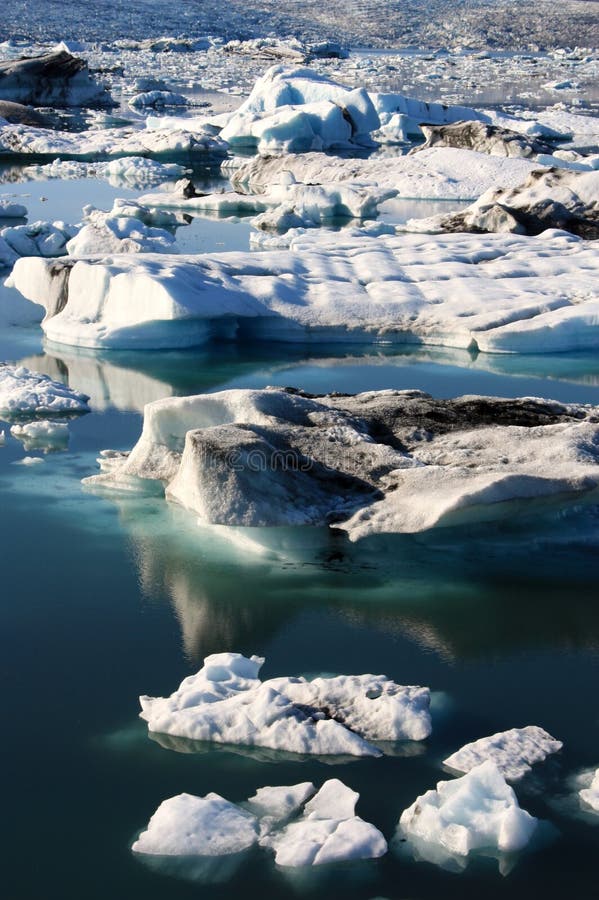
{"type": "Point", "coordinates": [197, 826]}
{"type": "Point", "coordinates": [43, 434]}
{"type": "Point", "coordinates": [225, 702]}
{"type": "Point", "coordinates": [323, 829]}
{"type": "Point", "coordinates": [514, 752]}
{"type": "Point", "coordinates": [18, 141]}
{"type": "Point", "coordinates": [9, 210]}
{"type": "Point", "coordinates": [483, 138]}
{"type": "Point", "coordinates": [478, 811]}
{"type": "Point", "coordinates": [487, 292]}
{"type": "Point", "coordinates": [55, 79]}
{"type": "Point", "coordinates": [47, 239]}
{"type": "Point", "coordinates": [24, 393]}
{"type": "Point", "coordinates": [298, 110]}
{"type": "Point", "coordinates": [441, 173]}
{"type": "Point", "coordinates": [590, 795]}
{"type": "Point", "coordinates": [379, 462]}
{"type": "Point", "coordinates": [327, 832]}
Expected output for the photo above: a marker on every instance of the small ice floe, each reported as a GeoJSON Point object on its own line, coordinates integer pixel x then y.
{"type": "Point", "coordinates": [54, 79]}
{"type": "Point", "coordinates": [48, 239]}
{"type": "Point", "coordinates": [225, 702]}
{"type": "Point", "coordinates": [300, 831]}
{"type": "Point", "coordinates": [109, 232]}
{"type": "Point", "coordinates": [514, 752]}
{"type": "Point", "coordinates": [477, 812]}
{"type": "Point", "coordinates": [10, 210]}
{"type": "Point", "coordinates": [27, 393]}
{"type": "Point", "coordinates": [109, 143]}
{"type": "Point", "coordinates": [589, 796]}
{"type": "Point", "coordinates": [198, 826]}
{"type": "Point", "coordinates": [43, 434]}
{"type": "Point", "coordinates": [297, 110]}
{"type": "Point", "coordinates": [328, 831]}
{"type": "Point", "coordinates": [132, 171]}
{"type": "Point", "coordinates": [156, 99]}
{"type": "Point", "coordinates": [28, 461]}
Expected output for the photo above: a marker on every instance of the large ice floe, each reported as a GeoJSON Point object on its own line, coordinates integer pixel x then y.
{"type": "Point", "coordinates": [386, 461]}
{"type": "Point", "coordinates": [548, 199]}
{"type": "Point", "coordinates": [109, 143]}
{"type": "Point", "coordinates": [301, 831]}
{"type": "Point", "coordinates": [514, 752]}
{"type": "Point", "coordinates": [55, 79]}
{"type": "Point", "coordinates": [226, 703]}
{"type": "Point", "coordinates": [440, 173]}
{"type": "Point", "coordinates": [478, 811]}
{"type": "Point", "coordinates": [24, 393]}
{"type": "Point", "coordinates": [491, 293]}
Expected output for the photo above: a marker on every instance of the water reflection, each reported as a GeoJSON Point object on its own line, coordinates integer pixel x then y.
{"type": "Point", "coordinates": [127, 380]}
{"type": "Point", "coordinates": [457, 593]}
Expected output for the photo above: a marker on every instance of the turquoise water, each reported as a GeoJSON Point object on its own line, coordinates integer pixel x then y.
{"type": "Point", "coordinates": [106, 599]}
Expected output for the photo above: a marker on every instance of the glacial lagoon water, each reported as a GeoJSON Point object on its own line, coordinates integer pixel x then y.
{"type": "Point", "coordinates": [107, 598]}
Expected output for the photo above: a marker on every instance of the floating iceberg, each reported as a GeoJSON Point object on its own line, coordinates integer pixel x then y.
{"type": "Point", "coordinates": [325, 829]}
{"type": "Point", "coordinates": [488, 292]}
{"type": "Point", "coordinates": [44, 435]}
{"type": "Point", "coordinates": [441, 173]}
{"type": "Point", "coordinates": [514, 752]}
{"type": "Point", "coordinates": [27, 394]}
{"type": "Point", "coordinates": [296, 110]}
{"type": "Point", "coordinates": [590, 795]}
{"type": "Point", "coordinates": [479, 811]}
{"type": "Point", "coordinates": [9, 210]}
{"type": "Point", "coordinates": [198, 826]}
{"type": "Point", "coordinates": [131, 171]}
{"type": "Point", "coordinates": [47, 239]}
{"type": "Point", "coordinates": [112, 232]}
{"type": "Point", "coordinates": [327, 832]}
{"type": "Point", "coordinates": [548, 199]}
{"type": "Point", "coordinates": [56, 79]}
{"type": "Point", "coordinates": [22, 141]}
{"type": "Point", "coordinates": [226, 702]}
{"type": "Point", "coordinates": [386, 461]}
{"type": "Point", "coordinates": [157, 99]}
{"type": "Point", "coordinates": [483, 138]}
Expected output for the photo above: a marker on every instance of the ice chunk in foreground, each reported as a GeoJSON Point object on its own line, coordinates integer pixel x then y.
{"type": "Point", "coordinates": [514, 752]}
{"type": "Point", "coordinates": [328, 831]}
{"type": "Point", "coordinates": [26, 393]}
{"type": "Point", "coordinates": [226, 702]}
{"type": "Point", "coordinates": [198, 826]}
{"type": "Point", "coordinates": [590, 795]}
{"type": "Point", "coordinates": [478, 811]}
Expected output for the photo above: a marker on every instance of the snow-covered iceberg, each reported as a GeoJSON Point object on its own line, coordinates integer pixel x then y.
{"type": "Point", "coordinates": [24, 393]}
{"type": "Point", "coordinates": [481, 292]}
{"type": "Point", "coordinates": [514, 752]}
{"type": "Point", "coordinates": [547, 199]}
{"type": "Point", "coordinates": [225, 702]}
{"type": "Point", "coordinates": [386, 461]}
{"type": "Point", "coordinates": [297, 110]}
{"type": "Point", "coordinates": [55, 79]}
{"type": "Point", "coordinates": [478, 811]}
{"type": "Point", "coordinates": [44, 434]}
